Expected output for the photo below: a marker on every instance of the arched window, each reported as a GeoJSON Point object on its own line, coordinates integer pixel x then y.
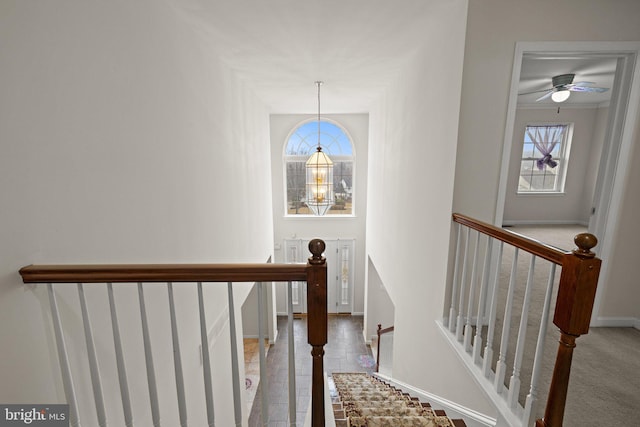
{"type": "Point", "coordinates": [335, 142]}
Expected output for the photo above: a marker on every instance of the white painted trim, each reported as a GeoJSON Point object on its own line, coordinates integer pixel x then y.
{"type": "Point", "coordinates": [584, 106]}
{"type": "Point", "coordinates": [508, 222]}
{"type": "Point", "coordinates": [499, 401]}
{"type": "Point", "coordinates": [357, 313]}
{"type": "Point", "coordinates": [271, 341]}
{"type": "Point", "coordinates": [471, 418]}
{"type": "Point", "coordinates": [615, 322]}
{"type": "Point", "coordinates": [329, 418]}
{"type": "Point", "coordinates": [620, 165]}
{"type": "Point", "coordinates": [218, 325]}
{"type": "Point", "coordinates": [605, 222]}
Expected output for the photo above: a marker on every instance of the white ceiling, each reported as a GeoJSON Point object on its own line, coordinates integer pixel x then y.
{"type": "Point", "coordinates": [281, 47]}
{"type": "Point", "coordinates": [537, 71]}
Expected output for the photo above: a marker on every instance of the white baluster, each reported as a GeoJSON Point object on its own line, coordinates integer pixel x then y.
{"type": "Point", "coordinates": [122, 372]}
{"type": "Point", "coordinates": [264, 387]}
{"type": "Point", "coordinates": [206, 360]}
{"type": "Point", "coordinates": [501, 366]}
{"type": "Point", "coordinates": [532, 398]}
{"type": "Point", "coordinates": [235, 370]}
{"type": "Point", "coordinates": [488, 349]}
{"type": "Point", "coordinates": [292, 357]}
{"type": "Point", "coordinates": [93, 360]}
{"type": "Point", "coordinates": [514, 382]}
{"type": "Point", "coordinates": [477, 340]}
{"type": "Point", "coordinates": [67, 379]}
{"type": "Point", "coordinates": [148, 353]}
{"type": "Point", "coordinates": [468, 329]}
{"type": "Point", "coordinates": [454, 283]}
{"type": "Point", "coordinates": [460, 319]}
{"type": "Point", "coordinates": [177, 359]}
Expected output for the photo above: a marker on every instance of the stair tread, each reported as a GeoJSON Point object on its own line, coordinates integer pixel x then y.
{"type": "Point", "coordinates": [368, 401]}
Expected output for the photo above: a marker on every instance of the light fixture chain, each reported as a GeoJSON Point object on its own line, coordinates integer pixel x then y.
{"type": "Point", "coordinates": [319, 83]}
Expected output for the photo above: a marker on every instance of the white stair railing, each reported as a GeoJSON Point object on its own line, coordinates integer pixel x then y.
{"type": "Point", "coordinates": [498, 300]}
{"type": "Point", "coordinates": [189, 395]}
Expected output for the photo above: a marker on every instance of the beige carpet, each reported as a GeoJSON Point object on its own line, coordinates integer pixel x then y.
{"type": "Point", "coordinates": [605, 374]}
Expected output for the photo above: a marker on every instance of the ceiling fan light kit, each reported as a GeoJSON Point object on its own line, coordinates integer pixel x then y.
{"type": "Point", "coordinates": [562, 86]}
{"type": "Point", "coordinates": [560, 95]}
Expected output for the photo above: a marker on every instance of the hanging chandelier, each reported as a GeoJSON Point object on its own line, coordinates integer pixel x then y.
{"type": "Point", "coordinates": [319, 184]}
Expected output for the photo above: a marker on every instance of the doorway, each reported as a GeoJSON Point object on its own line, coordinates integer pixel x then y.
{"type": "Point", "coordinates": [340, 274]}
{"type": "Point", "coordinates": [613, 162]}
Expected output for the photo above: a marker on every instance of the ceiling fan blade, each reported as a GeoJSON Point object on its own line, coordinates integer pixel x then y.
{"type": "Point", "coordinates": [582, 84]}
{"type": "Point", "coordinates": [535, 91]}
{"type": "Point", "coordinates": [588, 89]}
{"type": "Point", "coordinates": [545, 96]}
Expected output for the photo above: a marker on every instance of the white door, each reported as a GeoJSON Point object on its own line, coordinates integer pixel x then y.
{"type": "Point", "coordinates": [295, 253]}
{"type": "Point", "coordinates": [340, 273]}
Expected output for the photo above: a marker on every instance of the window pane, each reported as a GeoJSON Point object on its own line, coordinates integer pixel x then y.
{"type": "Point", "coordinates": [301, 144]}
{"type": "Point", "coordinates": [333, 140]}
{"type": "Point", "coordinates": [539, 143]}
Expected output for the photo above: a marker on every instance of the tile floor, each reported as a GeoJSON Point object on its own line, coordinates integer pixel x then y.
{"type": "Point", "coordinates": [252, 367]}
{"type": "Point", "coordinates": [345, 352]}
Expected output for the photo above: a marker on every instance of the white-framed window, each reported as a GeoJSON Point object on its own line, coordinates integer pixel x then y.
{"type": "Point", "coordinates": [545, 156]}
{"type": "Point", "coordinates": [300, 144]}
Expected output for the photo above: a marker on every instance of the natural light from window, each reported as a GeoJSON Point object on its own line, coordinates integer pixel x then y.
{"type": "Point", "coordinates": [545, 155]}
{"type": "Point", "coordinates": [303, 142]}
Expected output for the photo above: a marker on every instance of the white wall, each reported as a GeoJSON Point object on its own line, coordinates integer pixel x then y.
{"type": "Point", "coordinates": [411, 169]}
{"type": "Point", "coordinates": [620, 300]}
{"type": "Point", "coordinates": [380, 309]}
{"type": "Point", "coordinates": [573, 205]}
{"type": "Point", "coordinates": [327, 227]}
{"type": "Point", "coordinates": [124, 140]}
{"type": "Point", "coordinates": [493, 28]}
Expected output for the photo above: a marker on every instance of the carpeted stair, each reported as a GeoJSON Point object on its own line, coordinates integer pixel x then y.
{"type": "Point", "coordinates": [361, 400]}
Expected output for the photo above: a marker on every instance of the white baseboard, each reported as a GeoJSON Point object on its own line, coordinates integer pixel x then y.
{"type": "Point", "coordinates": [357, 313]}
{"type": "Point", "coordinates": [366, 341]}
{"type": "Point", "coordinates": [507, 222]}
{"type": "Point", "coordinates": [471, 418]}
{"type": "Point", "coordinates": [615, 322]}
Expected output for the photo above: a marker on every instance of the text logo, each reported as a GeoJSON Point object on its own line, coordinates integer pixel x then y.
{"type": "Point", "coordinates": [34, 415]}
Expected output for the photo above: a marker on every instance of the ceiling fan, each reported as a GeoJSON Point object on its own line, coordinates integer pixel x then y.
{"type": "Point", "coordinates": [563, 86]}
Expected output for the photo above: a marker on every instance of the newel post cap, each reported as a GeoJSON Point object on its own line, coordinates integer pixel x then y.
{"type": "Point", "coordinates": [317, 247]}
{"type": "Point", "coordinates": [585, 242]}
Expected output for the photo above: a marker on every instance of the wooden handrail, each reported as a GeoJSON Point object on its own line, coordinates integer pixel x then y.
{"type": "Point", "coordinates": [385, 330]}
{"type": "Point", "coordinates": [574, 303]}
{"type": "Point", "coordinates": [314, 273]}
{"type": "Point", "coordinates": [163, 273]}
{"type": "Point", "coordinates": [548, 252]}
{"type": "Point", "coordinates": [380, 332]}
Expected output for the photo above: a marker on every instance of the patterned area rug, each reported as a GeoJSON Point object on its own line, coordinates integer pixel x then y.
{"type": "Point", "coordinates": [366, 361]}
{"type": "Point", "coordinates": [366, 401]}
{"type": "Point", "coordinates": [252, 368]}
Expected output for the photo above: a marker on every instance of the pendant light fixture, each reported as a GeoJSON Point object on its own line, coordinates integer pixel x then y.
{"type": "Point", "coordinates": [319, 183]}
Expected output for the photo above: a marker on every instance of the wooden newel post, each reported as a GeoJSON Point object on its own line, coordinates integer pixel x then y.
{"type": "Point", "coordinates": [317, 326]}
{"type": "Point", "coordinates": [576, 295]}
{"type": "Point", "coordinates": [378, 349]}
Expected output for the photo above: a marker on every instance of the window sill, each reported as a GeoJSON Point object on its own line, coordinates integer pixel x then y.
{"type": "Point", "coordinates": [301, 217]}
{"type": "Point", "coordinates": [543, 193]}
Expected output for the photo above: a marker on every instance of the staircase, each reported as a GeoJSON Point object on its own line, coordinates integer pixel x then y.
{"type": "Point", "coordinates": [362, 400]}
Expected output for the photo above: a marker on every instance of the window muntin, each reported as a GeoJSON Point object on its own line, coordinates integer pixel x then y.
{"type": "Point", "coordinates": [537, 174]}
{"type": "Point", "coordinates": [303, 142]}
